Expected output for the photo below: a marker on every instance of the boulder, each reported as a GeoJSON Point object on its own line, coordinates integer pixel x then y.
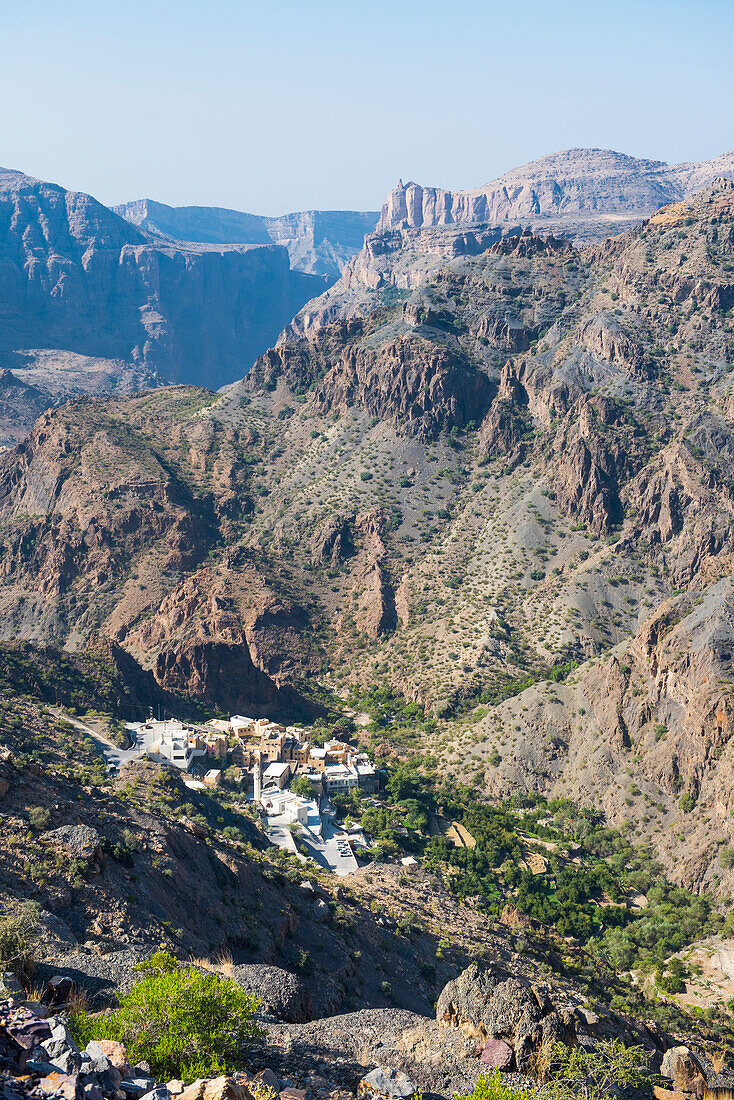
{"type": "Point", "coordinates": [684, 1070]}
{"type": "Point", "coordinates": [69, 1062]}
{"type": "Point", "coordinates": [58, 989]}
{"type": "Point", "coordinates": [485, 1008]}
{"type": "Point", "coordinates": [138, 1086]}
{"type": "Point", "coordinates": [217, 1088]}
{"type": "Point", "coordinates": [60, 1041]}
{"type": "Point", "coordinates": [463, 1001]}
{"type": "Point", "coordinates": [62, 1085]}
{"type": "Point", "coordinates": [385, 1084]}
{"type": "Point", "coordinates": [160, 1092]}
{"type": "Point", "coordinates": [117, 1055]}
{"type": "Point", "coordinates": [496, 1053]}
{"type": "Point", "coordinates": [100, 1061]}
{"type": "Point", "coordinates": [321, 911]}
{"type": "Point", "coordinates": [282, 994]}
{"type": "Point", "coordinates": [75, 841]}
{"type": "Point", "coordinates": [10, 986]}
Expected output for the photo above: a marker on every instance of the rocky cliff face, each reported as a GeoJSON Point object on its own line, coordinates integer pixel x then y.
{"type": "Point", "coordinates": [319, 242]}
{"type": "Point", "coordinates": [523, 458]}
{"type": "Point", "coordinates": [583, 193]}
{"type": "Point", "coordinates": [82, 292]}
{"type": "Point", "coordinates": [388, 264]}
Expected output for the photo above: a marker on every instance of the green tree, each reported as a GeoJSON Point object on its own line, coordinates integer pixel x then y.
{"type": "Point", "coordinates": [302, 786]}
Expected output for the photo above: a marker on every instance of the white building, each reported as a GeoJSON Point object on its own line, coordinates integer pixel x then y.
{"type": "Point", "coordinates": [220, 725]}
{"type": "Point", "coordinates": [339, 778]}
{"type": "Point", "coordinates": [173, 742]}
{"type": "Point", "coordinates": [277, 774]}
{"type": "Point", "coordinates": [239, 724]}
{"type": "Point", "coordinates": [291, 809]}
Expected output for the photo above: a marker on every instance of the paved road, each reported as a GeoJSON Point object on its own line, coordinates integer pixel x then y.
{"type": "Point", "coordinates": [113, 755]}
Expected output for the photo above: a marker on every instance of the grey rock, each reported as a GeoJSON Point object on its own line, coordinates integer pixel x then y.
{"type": "Point", "coordinates": [43, 1068]}
{"type": "Point", "coordinates": [463, 1001]}
{"type": "Point", "coordinates": [75, 841]}
{"type": "Point", "coordinates": [55, 931]}
{"type": "Point", "coordinates": [61, 1040]}
{"type": "Point", "coordinates": [70, 1061]}
{"type": "Point", "coordinates": [385, 1084]}
{"type": "Point", "coordinates": [684, 1070]}
{"type": "Point", "coordinates": [10, 986]}
{"type": "Point", "coordinates": [321, 911]}
{"type": "Point", "coordinates": [100, 1061]}
{"type": "Point", "coordinates": [508, 1010]}
{"type": "Point", "coordinates": [283, 995]}
{"type": "Point", "coordinates": [160, 1092]}
{"type": "Point", "coordinates": [138, 1086]}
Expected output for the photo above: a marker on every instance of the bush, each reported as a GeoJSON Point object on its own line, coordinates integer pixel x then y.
{"type": "Point", "coordinates": [19, 940]}
{"type": "Point", "coordinates": [39, 817]}
{"type": "Point", "coordinates": [184, 1023]}
{"type": "Point", "coordinates": [492, 1087]}
{"type": "Point", "coordinates": [610, 1068]}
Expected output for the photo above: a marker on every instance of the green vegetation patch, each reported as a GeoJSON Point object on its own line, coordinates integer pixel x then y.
{"type": "Point", "coordinates": [181, 1021]}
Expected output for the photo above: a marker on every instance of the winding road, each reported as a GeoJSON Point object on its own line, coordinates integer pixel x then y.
{"type": "Point", "coordinates": [113, 755]}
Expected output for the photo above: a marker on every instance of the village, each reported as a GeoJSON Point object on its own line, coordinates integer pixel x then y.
{"type": "Point", "coordinates": [290, 780]}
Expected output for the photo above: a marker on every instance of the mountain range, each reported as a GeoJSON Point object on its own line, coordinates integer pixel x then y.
{"type": "Point", "coordinates": [94, 300]}
{"type": "Point", "coordinates": [583, 194]}
{"type": "Point", "coordinates": [319, 242]}
{"type": "Point", "coordinates": [89, 303]}
{"type": "Point", "coordinates": [505, 492]}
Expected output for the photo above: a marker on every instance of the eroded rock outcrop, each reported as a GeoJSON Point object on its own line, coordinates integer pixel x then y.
{"type": "Point", "coordinates": [487, 1008]}
{"type": "Point", "coordinates": [586, 193]}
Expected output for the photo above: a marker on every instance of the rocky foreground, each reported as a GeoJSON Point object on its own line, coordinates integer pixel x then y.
{"type": "Point", "coordinates": [481, 1024]}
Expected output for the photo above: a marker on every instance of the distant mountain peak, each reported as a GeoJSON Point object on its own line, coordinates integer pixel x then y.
{"type": "Point", "coordinates": [584, 193]}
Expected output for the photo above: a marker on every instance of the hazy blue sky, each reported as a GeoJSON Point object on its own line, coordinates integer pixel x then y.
{"type": "Point", "coordinates": [286, 105]}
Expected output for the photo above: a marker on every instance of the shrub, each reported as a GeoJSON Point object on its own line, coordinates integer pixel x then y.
{"type": "Point", "coordinates": [607, 1070]}
{"type": "Point", "coordinates": [19, 940]}
{"type": "Point", "coordinates": [39, 817]}
{"type": "Point", "coordinates": [182, 1022]}
{"type": "Point", "coordinates": [492, 1087]}
{"type": "Point", "coordinates": [304, 963]}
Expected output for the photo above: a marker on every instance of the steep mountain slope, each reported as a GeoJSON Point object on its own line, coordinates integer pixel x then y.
{"type": "Point", "coordinates": [319, 242]}
{"type": "Point", "coordinates": [89, 303]}
{"type": "Point", "coordinates": [581, 193]}
{"type": "Point", "coordinates": [527, 460]}
{"type": "Point", "coordinates": [192, 871]}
